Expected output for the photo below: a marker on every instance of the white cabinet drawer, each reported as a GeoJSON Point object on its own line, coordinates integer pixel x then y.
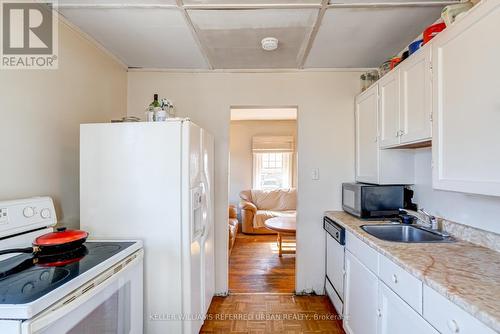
{"type": "Point", "coordinates": [367, 255]}
{"type": "Point", "coordinates": [448, 318]}
{"type": "Point", "coordinates": [401, 282]}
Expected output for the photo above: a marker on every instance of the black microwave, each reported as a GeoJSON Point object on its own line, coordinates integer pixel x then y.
{"type": "Point", "coordinates": [372, 201]}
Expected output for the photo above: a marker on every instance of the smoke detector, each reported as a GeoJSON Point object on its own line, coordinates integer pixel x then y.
{"type": "Point", "coordinates": [269, 43]}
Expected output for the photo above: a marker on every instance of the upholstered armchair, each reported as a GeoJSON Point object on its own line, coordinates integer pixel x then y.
{"type": "Point", "coordinates": [232, 226]}
{"type": "Point", "coordinates": [265, 205]}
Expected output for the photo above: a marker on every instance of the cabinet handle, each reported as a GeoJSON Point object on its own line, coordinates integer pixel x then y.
{"type": "Point", "coordinates": [453, 326]}
{"type": "Point", "coordinates": [397, 133]}
{"type": "Point", "coordinates": [379, 313]}
{"type": "Point", "coordinates": [395, 278]}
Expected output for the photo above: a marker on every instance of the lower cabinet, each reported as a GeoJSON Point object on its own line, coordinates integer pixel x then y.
{"type": "Point", "coordinates": [395, 316]}
{"type": "Point", "coordinates": [373, 306]}
{"type": "Point", "coordinates": [370, 306]}
{"type": "Point", "coordinates": [361, 301]}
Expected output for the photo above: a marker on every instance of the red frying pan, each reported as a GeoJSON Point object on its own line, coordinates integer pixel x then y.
{"type": "Point", "coordinates": [53, 243]}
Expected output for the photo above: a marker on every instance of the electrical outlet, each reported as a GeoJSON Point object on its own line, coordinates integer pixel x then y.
{"type": "Point", "coordinates": [4, 215]}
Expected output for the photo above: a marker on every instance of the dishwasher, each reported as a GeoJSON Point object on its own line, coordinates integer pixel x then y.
{"type": "Point", "coordinates": [334, 281]}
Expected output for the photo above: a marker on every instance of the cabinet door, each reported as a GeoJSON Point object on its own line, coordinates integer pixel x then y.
{"type": "Point", "coordinates": [360, 308]}
{"type": "Point", "coordinates": [466, 103]}
{"type": "Point", "coordinates": [367, 153]}
{"type": "Point", "coordinates": [395, 316]}
{"type": "Point", "coordinates": [389, 109]}
{"type": "Point", "coordinates": [416, 104]}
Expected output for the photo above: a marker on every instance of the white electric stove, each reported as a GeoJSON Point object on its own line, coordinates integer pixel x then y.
{"type": "Point", "coordinates": [97, 288]}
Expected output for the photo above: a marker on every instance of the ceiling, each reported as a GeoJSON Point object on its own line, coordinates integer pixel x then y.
{"type": "Point", "coordinates": [226, 34]}
{"type": "Point", "coordinates": [263, 114]}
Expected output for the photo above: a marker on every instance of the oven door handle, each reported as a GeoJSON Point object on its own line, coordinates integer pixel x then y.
{"type": "Point", "coordinates": [92, 289]}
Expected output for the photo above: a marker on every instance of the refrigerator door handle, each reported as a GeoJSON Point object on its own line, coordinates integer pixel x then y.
{"type": "Point", "coordinates": [205, 205]}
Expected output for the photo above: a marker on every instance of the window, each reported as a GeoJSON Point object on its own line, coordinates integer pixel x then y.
{"type": "Point", "coordinates": [272, 162]}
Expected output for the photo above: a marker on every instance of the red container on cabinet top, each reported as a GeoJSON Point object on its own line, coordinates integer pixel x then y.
{"type": "Point", "coordinates": [431, 31]}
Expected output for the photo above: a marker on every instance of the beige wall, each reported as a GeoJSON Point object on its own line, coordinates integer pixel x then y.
{"type": "Point", "coordinates": [325, 125]}
{"type": "Point", "coordinates": [40, 114]}
{"type": "Point", "coordinates": [241, 157]}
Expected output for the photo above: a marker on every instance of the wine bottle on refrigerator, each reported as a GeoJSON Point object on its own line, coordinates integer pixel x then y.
{"type": "Point", "coordinates": [155, 103]}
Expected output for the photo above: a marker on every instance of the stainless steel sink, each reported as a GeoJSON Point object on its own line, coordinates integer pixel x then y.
{"type": "Point", "coordinates": [404, 233]}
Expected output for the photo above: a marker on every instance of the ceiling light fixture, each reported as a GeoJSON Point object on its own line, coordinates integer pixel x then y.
{"type": "Point", "coordinates": [269, 43]}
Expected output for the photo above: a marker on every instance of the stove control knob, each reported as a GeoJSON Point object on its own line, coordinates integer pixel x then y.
{"type": "Point", "coordinates": [27, 288]}
{"type": "Point", "coordinates": [45, 213]}
{"type": "Point", "coordinates": [28, 212]}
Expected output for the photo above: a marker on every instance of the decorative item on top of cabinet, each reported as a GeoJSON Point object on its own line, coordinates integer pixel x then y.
{"type": "Point", "coordinates": [466, 103]}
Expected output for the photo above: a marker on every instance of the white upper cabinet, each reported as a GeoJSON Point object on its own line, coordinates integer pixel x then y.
{"type": "Point", "coordinates": [367, 136]}
{"type": "Point", "coordinates": [405, 102]}
{"type": "Point", "coordinates": [415, 99]}
{"type": "Point", "coordinates": [466, 103]}
{"type": "Point", "coordinates": [389, 109]}
{"type": "Point", "coordinates": [374, 165]}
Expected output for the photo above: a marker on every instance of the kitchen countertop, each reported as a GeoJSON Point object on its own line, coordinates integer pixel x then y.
{"type": "Point", "coordinates": [466, 274]}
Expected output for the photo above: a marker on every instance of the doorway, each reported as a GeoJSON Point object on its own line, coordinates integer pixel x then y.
{"type": "Point", "coordinates": [262, 199]}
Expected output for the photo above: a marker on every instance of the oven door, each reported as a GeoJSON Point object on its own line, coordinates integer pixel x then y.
{"type": "Point", "coordinates": [110, 303]}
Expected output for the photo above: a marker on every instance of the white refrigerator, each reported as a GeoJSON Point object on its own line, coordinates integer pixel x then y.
{"type": "Point", "coordinates": [154, 181]}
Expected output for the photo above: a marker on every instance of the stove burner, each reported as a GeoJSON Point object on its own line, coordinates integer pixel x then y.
{"type": "Point", "coordinates": [24, 279]}
{"type": "Point", "coordinates": [105, 249]}
{"type": "Point", "coordinates": [31, 282]}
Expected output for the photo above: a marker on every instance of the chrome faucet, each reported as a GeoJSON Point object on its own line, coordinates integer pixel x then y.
{"type": "Point", "coordinates": [429, 221]}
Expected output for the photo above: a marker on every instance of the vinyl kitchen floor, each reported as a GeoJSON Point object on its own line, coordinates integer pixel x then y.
{"type": "Point", "coordinates": [271, 313]}
{"type": "Point", "coordinates": [254, 266]}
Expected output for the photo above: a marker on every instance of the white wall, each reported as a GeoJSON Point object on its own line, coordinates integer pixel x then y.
{"type": "Point", "coordinates": [40, 114]}
{"type": "Point", "coordinates": [241, 157]}
{"type": "Point", "coordinates": [325, 102]}
{"type": "Point", "coordinates": [474, 210]}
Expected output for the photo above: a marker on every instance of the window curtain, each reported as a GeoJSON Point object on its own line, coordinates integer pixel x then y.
{"type": "Point", "coordinates": [269, 144]}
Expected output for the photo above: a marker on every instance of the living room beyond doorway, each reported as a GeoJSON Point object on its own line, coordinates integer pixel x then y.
{"type": "Point", "coordinates": [262, 200]}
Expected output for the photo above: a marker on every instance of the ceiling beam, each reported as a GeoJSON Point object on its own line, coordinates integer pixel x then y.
{"type": "Point", "coordinates": [253, 6]}
{"type": "Point", "coordinates": [392, 4]}
{"type": "Point", "coordinates": [306, 48]}
{"type": "Point", "coordinates": [194, 32]}
{"type": "Point", "coordinates": [236, 6]}
{"type": "Point", "coordinates": [113, 6]}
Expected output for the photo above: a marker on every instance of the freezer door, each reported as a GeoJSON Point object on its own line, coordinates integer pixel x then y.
{"type": "Point", "coordinates": [207, 240]}
{"type": "Point", "coordinates": [193, 227]}
{"type": "Point", "coordinates": [199, 268]}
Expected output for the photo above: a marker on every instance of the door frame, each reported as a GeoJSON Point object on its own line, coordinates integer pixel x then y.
{"type": "Point", "coordinates": [295, 177]}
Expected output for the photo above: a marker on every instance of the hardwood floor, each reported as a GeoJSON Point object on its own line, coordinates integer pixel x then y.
{"type": "Point", "coordinates": [272, 313]}
{"type": "Point", "coordinates": [261, 299]}
{"type": "Point", "coordinates": [254, 266]}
